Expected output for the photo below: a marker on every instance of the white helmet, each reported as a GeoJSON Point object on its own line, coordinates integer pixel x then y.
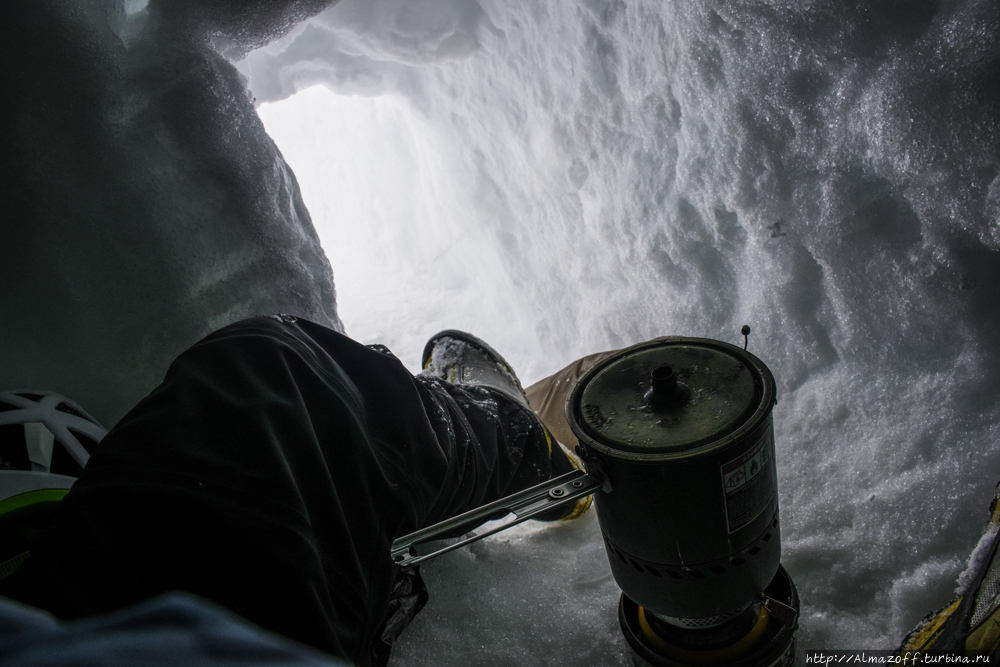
{"type": "Point", "coordinates": [45, 441]}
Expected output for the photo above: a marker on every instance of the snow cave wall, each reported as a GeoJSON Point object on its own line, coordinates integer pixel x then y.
{"type": "Point", "coordinates": [144, 205]}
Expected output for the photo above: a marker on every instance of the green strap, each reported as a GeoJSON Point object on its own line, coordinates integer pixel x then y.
{"type": "Point", "coordinates": [20, 505]}
{"type": "Point", "coordinates": [11, 508]}
{"type": "Point", "coordinates": [8, 566]}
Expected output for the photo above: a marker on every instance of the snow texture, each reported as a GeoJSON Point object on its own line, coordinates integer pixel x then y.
{"type": "Point", "coordinates": [977, 561]}
{"type": "Point", "coordinates": [144, 204]}
{"type": "Point", "coordinates": [566, 177]}
{"type": "Point", "coordinates": [447, 353]}
{"type": "Point", "coordinates": [558, 178]}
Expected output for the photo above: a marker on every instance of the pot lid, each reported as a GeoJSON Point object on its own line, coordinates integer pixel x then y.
{"type": "Point", "coordinates": [667, 396]}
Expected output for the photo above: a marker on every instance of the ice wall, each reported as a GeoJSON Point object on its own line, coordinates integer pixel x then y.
{"type": "Point", "coordinates": [143, 204]}
{"type": "Point", "coordinates": [583, 175]}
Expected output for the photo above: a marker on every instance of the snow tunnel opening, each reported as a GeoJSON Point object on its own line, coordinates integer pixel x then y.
{"type": "Point", "coordinates": [394, 204]}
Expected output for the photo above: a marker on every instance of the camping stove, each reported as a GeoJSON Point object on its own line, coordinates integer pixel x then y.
{"type": "Point", "coordinates": [678, 441]}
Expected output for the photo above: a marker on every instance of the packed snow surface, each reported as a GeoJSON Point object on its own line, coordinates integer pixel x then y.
{"type": "Point", "coordinates": [566, 177]}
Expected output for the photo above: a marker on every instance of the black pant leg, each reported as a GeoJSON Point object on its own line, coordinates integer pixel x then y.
{"type": "Point", "coordinates": [270, 472]}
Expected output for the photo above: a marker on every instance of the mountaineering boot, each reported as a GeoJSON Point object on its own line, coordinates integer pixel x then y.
{"type": "Point", "coordinates": [969, 624]}
{"type": "Point", "coordinates": [463, 359]}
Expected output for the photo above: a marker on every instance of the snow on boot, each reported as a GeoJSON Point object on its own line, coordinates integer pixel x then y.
{"type": "Point", "coordinates": [970, 624]}
{"type": "Point", "coordinates": [461, 358]}
{"type": "Point", "coordinates": [464, 359]}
